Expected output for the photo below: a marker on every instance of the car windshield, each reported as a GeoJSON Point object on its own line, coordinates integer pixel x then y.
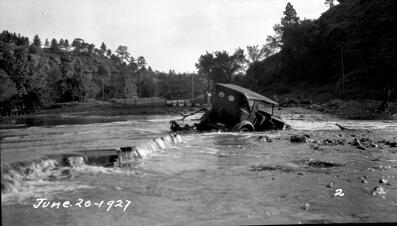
{"type": "Point", "coordinates": [263, 106]}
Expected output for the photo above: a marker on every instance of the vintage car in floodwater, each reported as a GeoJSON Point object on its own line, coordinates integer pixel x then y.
{"type": "Point", "coordinates": [235, 108]}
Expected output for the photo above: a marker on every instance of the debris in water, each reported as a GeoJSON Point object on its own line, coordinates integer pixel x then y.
{"type": "Point", "coordinates": [264, 138]}
{"type": "Point", "coordinates": [384, 181]}
{"type": "Point", "coordinates": [364, 180]}
{"type": "Point", "coordinates": [356, 142]}
{"type": "Point", "coordinates": [379, 191]}
{"type": "Point", "coordinates": [393, 144]}
{"type": "Point", "coordinates": [328, 142]}
{"type": "Point", "coordinates": [365, 140]}
{"type": "Point", "coordinates": [330, 185]}
{"type": "Point", "coordinates": [342, 127]}
{"type": "Point", "coordinates": [300, 138]}
{"type": "Point", "coordinates": [361, 147]}
{"type": "Point", "coordinates": [262, 168]}
{"type": "Point", "coordinates": [321, 164]}
{"type": "Point", "coordinates": [307, 205]}
{"type": "Point", "coordinates": [300, 173]}
{"type": "Point", "coordinates": [265, 168]}
{"type": "Point", "coordinates": [374, 145]}
{"type": "Point", "coordinates": [316, 147]}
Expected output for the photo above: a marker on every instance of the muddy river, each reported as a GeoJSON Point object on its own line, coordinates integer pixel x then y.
{"type": "Point", "coordinates": [204, 179]}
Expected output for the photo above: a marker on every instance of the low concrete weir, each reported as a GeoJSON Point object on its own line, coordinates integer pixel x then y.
{"type": "Point", "coordinates": [60, 166]}
{"type": "Point", "coordinates": [131, 154]}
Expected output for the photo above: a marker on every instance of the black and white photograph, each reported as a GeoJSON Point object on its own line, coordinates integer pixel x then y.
{"type": "Point", "coordinates": [198, 112]}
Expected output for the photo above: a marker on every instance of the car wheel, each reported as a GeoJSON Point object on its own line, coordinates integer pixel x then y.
{"type": "Point", "coordinates": [244, 129]}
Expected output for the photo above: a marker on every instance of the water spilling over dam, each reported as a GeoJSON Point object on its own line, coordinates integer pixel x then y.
{"type": "Point", "coordinates": [61, 166]}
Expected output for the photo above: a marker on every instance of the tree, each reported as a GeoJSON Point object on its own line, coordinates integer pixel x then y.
{"type": "Point", "coordinates": [256, 54]}
{"type": "Point", "coordinates": [290, 16]}
{"type": "Point", "coordinates": [226, 66]}
{"type": "Point", "coordinates": [141, 62]}
{"type": "Point", "coordinates": [220, 66]}
{"type": "Point", "coordinates": [103, 48]}
{"type": "Point", "coordinates": [84, 47]}
{"type": "Point", "coordinates": [67, 45]}
{"type": "Point", "coordinates": [77, 44]}
{"type": "Point", "coordinates": [109, 52]}
{"type": "Point", "coordinates": [289, 19]}
{"type": "Point", "coordinates": [7, 87]}
{"type": "Point", "coordinates": [61, 43]}
{"type": "Point", "coordinates": [205, 65]}
{"type": "Point", "coordinates": [54, 45]}
{"type": "Point", "coordinates": [36, 41]}
{"type": "Point", "coordinates": [122, 53]}
{"type": "Point", "coordinates": [90, 48]}
{"type": "Point", "coordinates": [329, 3]}
{"type": "Point", "coordinates": [132, 65]}
{"type": "Point", "coordinates": [47, 43]}
{"type": "Point", "coordinates": [14, 38]}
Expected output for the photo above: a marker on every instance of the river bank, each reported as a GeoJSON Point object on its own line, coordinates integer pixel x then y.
{"type": "Point", "coordinates": [101, 112]}
{"type": "Point", "coordinates": [86, 113]}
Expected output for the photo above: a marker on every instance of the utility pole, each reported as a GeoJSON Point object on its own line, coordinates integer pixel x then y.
{"type": "Point", "coordinates": [192, 87]}
{"type": "Point", "coordinates": [137, 85]}
{"type": "Point", "coordinates": [103, 92]}
{"type": "Point", "coordinates": [208, 82]}
{"type": "Point", "coordinates": [341, 44]}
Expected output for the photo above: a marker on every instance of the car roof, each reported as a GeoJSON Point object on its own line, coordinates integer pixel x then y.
{"type": "Point", "coordinates": [250, 95]}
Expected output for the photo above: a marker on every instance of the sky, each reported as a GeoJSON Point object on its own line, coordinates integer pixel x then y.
{"type": "Point", "coordinates": [170, 34]}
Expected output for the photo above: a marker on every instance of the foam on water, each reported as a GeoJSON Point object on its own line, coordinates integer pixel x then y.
{"type": "Point", "coordinates": [40, 189]}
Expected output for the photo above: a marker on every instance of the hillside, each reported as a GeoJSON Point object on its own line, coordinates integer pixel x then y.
{"type": "Point", "coordinates": [33, 77]}
{"type": "Point", "coordinates": [310, 60]}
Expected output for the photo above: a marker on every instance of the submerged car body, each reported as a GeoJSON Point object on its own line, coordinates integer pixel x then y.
{"type": "Point", "coordinates": [235, 108]}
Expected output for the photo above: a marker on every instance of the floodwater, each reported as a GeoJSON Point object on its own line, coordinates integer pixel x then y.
{"type": "Point", "coordinates": [30, 142]}
{"type": "Point", "coordinates": [208, 179]}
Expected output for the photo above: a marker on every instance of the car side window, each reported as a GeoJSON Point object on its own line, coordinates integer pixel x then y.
{"type": "Point", "coordinates": [261, 106]}
{"type": "Point", "coordinates": [251, 103]}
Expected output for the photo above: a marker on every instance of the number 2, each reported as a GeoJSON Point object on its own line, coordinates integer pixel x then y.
{"type": "Point", "coordinates": [339, 192]}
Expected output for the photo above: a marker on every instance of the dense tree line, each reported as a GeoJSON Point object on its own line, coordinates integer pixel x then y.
{"type": "Point", "coordinates": [33, 75]}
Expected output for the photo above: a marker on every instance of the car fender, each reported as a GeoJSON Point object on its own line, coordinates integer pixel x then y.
{"type": "Point", "coordinates": [241, 124]}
